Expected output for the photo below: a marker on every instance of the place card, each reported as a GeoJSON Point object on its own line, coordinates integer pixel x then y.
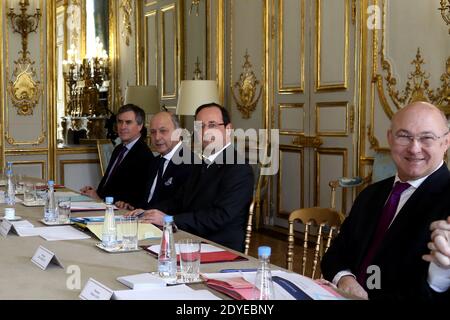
{"type": "Point", "coordinates": [94, 290]}
{"type": "Point", "coordinates": [5, 227]}
{"type": "Point", "coordinates": [43, 257]}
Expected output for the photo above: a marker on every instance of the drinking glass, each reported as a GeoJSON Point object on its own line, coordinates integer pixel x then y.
{"type": "Point", "coordinates": [189, 259]}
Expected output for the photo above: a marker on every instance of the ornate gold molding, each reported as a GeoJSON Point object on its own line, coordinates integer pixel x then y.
{"type": "Point", "coordinates": [247, 87]}
{"type": "Point", "coordinates": [445, 12]}
{"type": "Point", "coordinates": [307, 141]}
{"type": "Point", "coordinates": [127, 10]}
{"type": "Point", "coordinates": [24, 90]}
{"type": "Point", "coordinates": [417, 87]}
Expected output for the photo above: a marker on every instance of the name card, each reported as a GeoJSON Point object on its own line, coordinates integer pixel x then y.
{"type": "Point", "coordinates": [5, 227]}
{"type": "Point", "coordinates": [94, 290]}
{"type": "Point", "coordinates": [43, 257]}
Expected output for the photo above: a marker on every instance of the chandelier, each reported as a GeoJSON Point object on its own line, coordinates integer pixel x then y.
{"type": "Point", "coordinates": [87, 82]}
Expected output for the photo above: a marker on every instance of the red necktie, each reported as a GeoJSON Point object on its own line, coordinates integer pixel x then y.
{"type": "Point", "coordinates": [387, 215]}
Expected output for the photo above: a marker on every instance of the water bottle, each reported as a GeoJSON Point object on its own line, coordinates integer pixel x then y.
{"type": "Point", "coordinates": [167, 257]}
{"type": "Point", "coordinates": [263, 289]}
{"type": "Point", "coordinates": [109, 233]}
{"type": "Point", "coordinates": [10, 196]}
{"type": "Point", "coordinates": [50, 213]}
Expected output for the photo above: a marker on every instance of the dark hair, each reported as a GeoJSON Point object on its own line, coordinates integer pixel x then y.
{"type": "Point", "coordinates": [225, 115]}
{"type": "Point", "coordinates": [139, 115]}
{"type": "Point", "coordinates": [138, 112]}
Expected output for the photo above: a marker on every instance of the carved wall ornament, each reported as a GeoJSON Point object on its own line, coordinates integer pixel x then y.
{"type": "Point", "coordinates": [418, 87]}
{"type": "Point", "coordinates": [197, 71]}
{"type": "Point", "coordinates": [445, 12]}
{"type": "Point", "coordinates": [247, 88]}
{"type": "Point", "coordinates": [127, 9]}
{"type": "Point", "coordinates": [24, 90]}
{"type": "Point", "coordinates": [194, 3]}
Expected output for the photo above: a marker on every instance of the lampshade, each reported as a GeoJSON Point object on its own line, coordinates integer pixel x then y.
{"type": "Point", "coordinates": [194, 93]}
{"type": "Point", "coordinates": [145, 97]}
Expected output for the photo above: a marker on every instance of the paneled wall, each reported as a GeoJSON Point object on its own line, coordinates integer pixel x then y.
{"type": "Point", "coordinates": [328, 74]}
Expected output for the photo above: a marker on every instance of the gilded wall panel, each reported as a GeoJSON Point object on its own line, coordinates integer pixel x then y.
{"type": "Point", "coordinates": [169, 67]}
{"type": "Point", "coordinates": [331, 163]}
{"type": "Point", "coordinates": [151, 48]}
{"type": "Point", "coordinates": [291, 118]}
{"type": "Point", "coordinates": [291, 47]}
{"type": "Point", "coordinates": [291, 182]}
{"type": "Point", "coordinates": [246, 22]}
{"type": "Point", "coordinates": [332, 44]}
{"type": "Point", "coordinates": [332, 119]}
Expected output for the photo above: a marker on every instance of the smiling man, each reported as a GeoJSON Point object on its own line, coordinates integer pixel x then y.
{"type": "Point", "coordinates": [127, 173]}
{"type": "Point", "coordinates": [214, 201]}
{"type": "Point", "coordinates": [378, 252]}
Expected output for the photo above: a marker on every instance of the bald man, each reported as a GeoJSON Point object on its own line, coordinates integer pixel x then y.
{"type": "Point", "coordinates": [378, 252]}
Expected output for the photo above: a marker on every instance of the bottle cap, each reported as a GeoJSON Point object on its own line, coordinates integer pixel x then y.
{"type": "Point", "coordinates": [109, 200]}
{"type": "Point", "coordinates": [168, 218]}
{"type": "Point", "coordinates": [264, 251]}
{"type": "Point", "coordinates": [8, 172]}
{"type": "Point", "coordinates": [51, 183]}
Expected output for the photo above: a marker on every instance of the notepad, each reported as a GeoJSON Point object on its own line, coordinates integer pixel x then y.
{"type": "Point", "coordinates": [142, 281]}
{"type": "Point", "coordinates": [89, 206]}
{"type": "Point", "coordinates": [180, 292]}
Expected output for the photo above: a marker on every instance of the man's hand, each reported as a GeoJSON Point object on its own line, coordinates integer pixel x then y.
{"type": "Point", "coordinates": [149, 216]}
{"type": "Point", "coordinates": [440, 244]}
{"type": "Point", "coordinates": [349, 285]}
{"type": "Point", "coordinates": [124, 205]}
{"type": "Point", "coordinates": [90, 192]}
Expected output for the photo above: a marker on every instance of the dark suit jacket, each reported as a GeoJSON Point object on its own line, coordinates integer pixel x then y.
{"type": "Point", "coordinates": [214, 202]}
{"type": "Point", "coordinates": [176, 174]}
{"type": "Point", "coordinates": [403, 272]}
{"type": "Point", "coordinates": [129, 181]}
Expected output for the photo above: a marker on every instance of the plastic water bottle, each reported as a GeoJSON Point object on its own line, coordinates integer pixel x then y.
{"type": "Point", "coordinates": [263, 289]}
{"type": "Point", "coordinates": [109, 233]}
{"type": "Point", "coordinates": [167, 257]}
{"type": "Point", "coordinates": [50, 213]}
{"type": "Point", "coordinates": [10, 196]}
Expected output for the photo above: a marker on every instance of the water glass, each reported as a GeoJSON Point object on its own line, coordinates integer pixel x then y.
{"type": "Point", "coordinates": [129, 230]}
{"type": "Point", "coordinates": [64, 210]}
{"type": "Point", "coordinates": [41, 195]}
{"type": "Point", "coordinates": [29, 193]}
{"type": "Point", "coordinates": [189, 259]}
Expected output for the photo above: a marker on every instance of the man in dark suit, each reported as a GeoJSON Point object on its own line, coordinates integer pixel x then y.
{"type": "Point", "coordinates": [168, 172]}
{"type": "Point", "coordinates": [378, 252]}
{"type": "Point", "coordinates": [214, 202]}
{"type": "Point", "coordinates": [129, 161]}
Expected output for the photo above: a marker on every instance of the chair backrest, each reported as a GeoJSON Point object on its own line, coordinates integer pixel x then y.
{"type": "Point", "coordinates": [105, 149]}
{"type": "Point", "coordinates": [328, 222]}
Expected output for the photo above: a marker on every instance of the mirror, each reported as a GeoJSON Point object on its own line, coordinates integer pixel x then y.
{"type": "Point", "coordinates": [84, 69]}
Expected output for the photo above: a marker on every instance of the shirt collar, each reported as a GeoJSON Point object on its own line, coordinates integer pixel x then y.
{"type": "Point", "coordinates": [170, 155]}
{"type": "Point", "coordinates": [130, 145]}
{"type": "Point", "coordinates": [213, 157]}
{"type": "Point", "coordinates": [416, 183]}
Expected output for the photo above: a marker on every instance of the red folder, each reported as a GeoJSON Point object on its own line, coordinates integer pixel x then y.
{"type": "Point", "coordinates": [210, 257]}
{"type": "Point", "coordinates": [237, 287]}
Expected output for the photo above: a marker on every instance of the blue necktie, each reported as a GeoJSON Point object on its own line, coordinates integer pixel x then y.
{"type": "Point", "coordinates": [291, 288]}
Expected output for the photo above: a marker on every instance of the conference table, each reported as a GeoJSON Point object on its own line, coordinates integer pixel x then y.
{"type": "Point", "coordinates": [22, 279]}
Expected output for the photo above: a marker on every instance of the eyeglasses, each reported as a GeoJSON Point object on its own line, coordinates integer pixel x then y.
{"type": "Point", "coordinates": [426, 140]}
{"type": "Point", "coordinates": [210, 125]}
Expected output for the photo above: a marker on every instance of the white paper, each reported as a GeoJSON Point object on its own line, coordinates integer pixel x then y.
{"type": "Point", "coordinates": [43, 257]}
{"type": "Point", "coordinates": [94, 290]}
{"type": "Point", "coordinates": [5, 226]}
{"type": "Point", "coordinates": [62, 233]}
{"type": "Point", "coordinates": [179, 292]}
{"type": "Point", "coordinates": [204, 248]}
{"type": "Point", "coordinates": [28, 232]}
{"type": "Point", "coordinates": [142, 281]}
{"type": "Point", "coordinates": [22, 224]}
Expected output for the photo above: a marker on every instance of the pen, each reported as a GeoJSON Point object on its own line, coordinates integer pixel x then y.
{"type": "Point", "coordinates": [237, 270]}
{"type": "Point", "coordinates": [140, 214]}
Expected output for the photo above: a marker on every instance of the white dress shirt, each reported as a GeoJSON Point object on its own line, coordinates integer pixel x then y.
{"type": "Point", "coordinates": [167, 158]}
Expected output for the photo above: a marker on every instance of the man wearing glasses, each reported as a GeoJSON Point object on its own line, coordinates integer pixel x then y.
{"type": "Point", "coordinates": [214, 201]}
{"type": "Point", "coordinates": [378, 252]}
